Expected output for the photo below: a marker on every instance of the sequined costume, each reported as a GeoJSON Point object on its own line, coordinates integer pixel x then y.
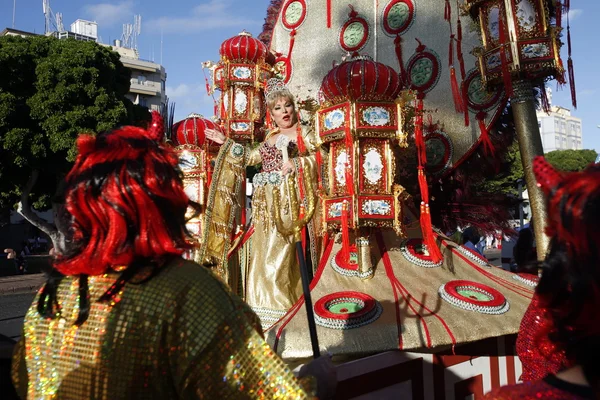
{"type": "Point", "coordinates": [270, 275]}
{"type": "Point", "coordinates": [166, 338]}
{"type": "Point", "coordinates": [538, 354]}
{"type": "Point", "coordinates": [549, 388]}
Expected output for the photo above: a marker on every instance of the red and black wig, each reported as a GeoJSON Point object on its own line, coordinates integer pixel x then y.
{"type": "Point", "coordinates": [570, 283]}
{"type": "Point", "coordinates": [126, 210]}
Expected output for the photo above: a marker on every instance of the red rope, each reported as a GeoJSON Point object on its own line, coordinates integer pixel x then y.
{"type": "Point", "coordinates": [407, 296]}
{"type": "Point", "coordinates": [345, 233]}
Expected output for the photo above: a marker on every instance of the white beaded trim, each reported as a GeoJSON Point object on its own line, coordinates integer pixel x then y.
{"type": "Point", "coordinates": [472, 307]}
{"type": "Point", "coordinates": [473, 257]}
{"type": "Point", "coordinates": [528, 282]}
{"type": "Point", "coordinates": [350, 323]}
{"type": "Point", "coordinates": [350, 273]}
{"type": "Point", "coordinates": [415, 260]}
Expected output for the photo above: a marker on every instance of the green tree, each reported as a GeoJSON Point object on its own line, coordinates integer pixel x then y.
{"type": "Point", "coordinates": [51, 91]}
{"type": "Point", "coordinates": [571, 160]}
{"type": "Point", "coordinates": [505, 182]}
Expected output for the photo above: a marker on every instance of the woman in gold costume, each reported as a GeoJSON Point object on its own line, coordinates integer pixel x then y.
{"type": "Point", "coordinates": [122, 315]}
{"type": "Point", "coordinates": [272, 276]}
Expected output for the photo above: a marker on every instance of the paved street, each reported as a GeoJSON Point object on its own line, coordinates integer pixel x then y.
{"type": "Point", "coordinates": [12, 311]}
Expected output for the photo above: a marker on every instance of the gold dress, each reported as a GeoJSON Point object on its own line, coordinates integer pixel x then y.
{"type": "Point", "coordinates": [270, 271]}
{"type": "Point", "coordinates": [180, 335]}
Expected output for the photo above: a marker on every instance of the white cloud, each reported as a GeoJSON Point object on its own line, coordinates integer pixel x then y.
{"type": "Point", "coordinates": [210, 15]}
{"type": "Point", "coordinates": [574, 13]}
{"type": "Point", "coordinates": [107, 14]}
{"type": "Point", "coordinates": [181, 90]}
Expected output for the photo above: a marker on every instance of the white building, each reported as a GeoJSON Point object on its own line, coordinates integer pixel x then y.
{"type": "Point", "coordinates": [148, 79]}
{"type": "Point", "coordinates": [559, 129]}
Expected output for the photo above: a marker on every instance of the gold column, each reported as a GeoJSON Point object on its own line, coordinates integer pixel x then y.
{"type": "Point", "coordinates": [530, 145]}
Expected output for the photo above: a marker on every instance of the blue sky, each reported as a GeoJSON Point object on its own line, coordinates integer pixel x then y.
{"type": "Point", "coordinates": [192, 32]}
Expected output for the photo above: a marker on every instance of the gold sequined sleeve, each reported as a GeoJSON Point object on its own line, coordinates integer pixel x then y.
{"type": "Point", "coordinates": [19, 369]}
{"type": "Point", "coordinates": [224, 356]}
{"type": "Point", "coordinates": [253, 155]}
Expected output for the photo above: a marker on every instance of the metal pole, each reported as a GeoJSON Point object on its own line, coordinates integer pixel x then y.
{"type": "Point", "coordinates": [530, 145]}
{"type": "Point", "coordinates": [310, 315]}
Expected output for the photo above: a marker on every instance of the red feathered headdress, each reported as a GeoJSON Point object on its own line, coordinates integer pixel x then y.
{"type": "Point", "coordinates": [126, 201]}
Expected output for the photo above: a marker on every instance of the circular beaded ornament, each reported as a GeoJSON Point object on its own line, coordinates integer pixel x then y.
{"type": "Point", "coordinates": [528, 279]}
{"type": "Point", "coordinates": [349, 269]}
{"type": "Point", "coordinates": [346, 310]}
{"type": "Point", "coordinates": [415, 251]}
{"type": "Point", "coordinates": [473, 256]}
{"type": "Point", "coordinates": [474, 296]}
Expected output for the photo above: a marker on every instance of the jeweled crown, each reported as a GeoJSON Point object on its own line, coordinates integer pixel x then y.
{"type": "Point", "coordinates": [275, 85]}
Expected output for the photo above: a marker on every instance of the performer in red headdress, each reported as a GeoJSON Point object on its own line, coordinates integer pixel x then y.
{"type": "Point", "coordinates": [559, 340]}
{"type": "Point", "coordinates": [122, 315]}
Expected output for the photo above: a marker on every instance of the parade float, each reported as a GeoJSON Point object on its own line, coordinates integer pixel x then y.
{"type": "Point", "coordinates": [406, 311]}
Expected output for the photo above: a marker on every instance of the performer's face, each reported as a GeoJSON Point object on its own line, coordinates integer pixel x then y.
{"type": "Point", "coordinates": [283, 113]}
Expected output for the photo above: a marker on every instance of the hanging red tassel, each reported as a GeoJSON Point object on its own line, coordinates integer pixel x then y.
{"type": "Point", "coordinates": [447, 11]}
{"type": "Point", "coordinates": [319, 160]}
{"type": "Point", "coordinates": [398, 49]}
{"type": "Point", "coordinates": [503, 60]}
{"type": "Point", "coordinates": [488, 146]}
{"type": "Point", "coordinates": [300, 141]}
{"type": "Point", "coordinates": [328, 14]}
{"type": "Point", "coordinates": [303, 233]}
{"type": "Point", "coordinates": [545, 101]}
{"type": "Point", "coordinates": [459, 53]}
{"type": "Point", "coordinates": [570, 65]}
{"type": "Point", "coordinates": [425, 217]}
{"type": "Point", "coordinates": [451, 51]}
{"type": "Point", "coordinates": [348, 169]}
{"type": "Point", "coordinates": [345, 233]}
{"type": "Point", "coordinates": [456, 95]}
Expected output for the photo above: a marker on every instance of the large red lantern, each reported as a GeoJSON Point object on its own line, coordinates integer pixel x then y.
{"type": "Point", "coordinates": [194, 152]}
{"type": "Point", "coordinates": [240, 75]}
{"type": "Point", "coordinates": [358, 120]}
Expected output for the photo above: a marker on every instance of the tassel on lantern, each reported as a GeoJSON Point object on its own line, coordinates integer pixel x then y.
{"type": "Point", "coordinates": [486, 141]}
{"type": "Point", "coordinates": [319, 160]}
{"type": "Point", "coordinates": [345, 233]}
{"type": "Point", "coordinates": [348, 168]}
{"type": "Point", "coordinates": [570, 66]}
{"type": "Point", "coordinates": [456, 95]}
{"type": "Point", "coordinates": [544, 98]}
{"type": "Point", "coordinates": [459, 53]}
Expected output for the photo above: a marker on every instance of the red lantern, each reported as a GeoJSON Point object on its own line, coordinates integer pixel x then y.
{"type": "Point", "coordinates": [361, 78]}
{"type": "Point", "coordinates": [191, 130]}
{"type": "Point", "coordinates": [240, 75]}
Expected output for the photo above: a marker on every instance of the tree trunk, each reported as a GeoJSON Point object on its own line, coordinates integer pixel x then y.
{"type": "Point", "coordinates": [24, 208]}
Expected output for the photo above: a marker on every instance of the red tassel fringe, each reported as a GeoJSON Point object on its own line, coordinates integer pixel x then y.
{"type": "Point", "coordinates": [425, 218]}
{"type": "Point", "coordinates": [459, 53]}
{"type": "Point", "coordinates": [345, 233]}
{"type": "Point", "coordinates": [456, 95]}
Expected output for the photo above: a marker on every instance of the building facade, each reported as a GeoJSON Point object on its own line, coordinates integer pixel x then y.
{"type": "Point", "coordinates": [148, 79]}
{"type": "Point", "coordinates": [559, 129]}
